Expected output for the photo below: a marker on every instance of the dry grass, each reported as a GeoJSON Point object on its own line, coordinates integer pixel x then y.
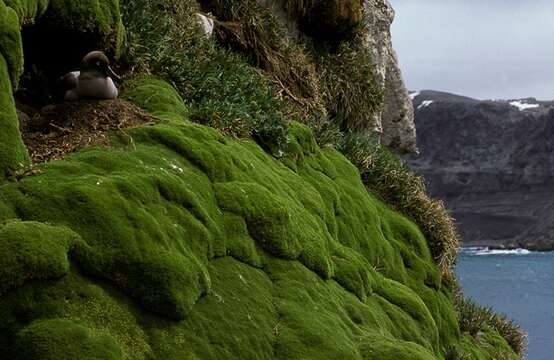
{"type": "Point", "coordinates": [349, 88]}
{"type": "Point", "coordinates": [253, 30]}
{"type": "Point", "coordinates": [61, 129]}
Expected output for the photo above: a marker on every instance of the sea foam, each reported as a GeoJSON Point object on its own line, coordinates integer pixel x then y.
{"type": "Point", "coordinates": [484, 251]}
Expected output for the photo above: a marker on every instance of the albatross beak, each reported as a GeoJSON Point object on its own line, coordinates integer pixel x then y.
{"type": "Point", "coordinates": [112, 74]}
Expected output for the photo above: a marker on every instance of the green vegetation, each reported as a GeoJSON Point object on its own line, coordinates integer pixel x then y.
{"type": "Point", "coordinates": [383, 173]}
{"type": "Point", "coordinates": [12, 151]}
{"type": "Point", "coordinates": [64, 339]}
{"type": "Point", "coordinates": [187, 241]}
{"type": "Point", "coordinates": [239, 255]}
{"type": "Point", "coordinates": [28, 10]}
{"type": "Point", "coordinates": [475, 319]}
{"type": "Point", "coordinates": [33, 251]}
{"type": "Point", "coordinates": [10, 45]}
{"type": "Point", "coordinates": [322, 82]}
{"type": "Point", "coordinates": [221, 89]}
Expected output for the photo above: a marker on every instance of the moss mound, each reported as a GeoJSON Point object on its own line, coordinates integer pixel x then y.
{"type": "Point", "coordinates": [33, 251]}
{"type": "Point", "coordinates": [12, 151]}
{"type": "Point", "coordinates": [179, 242]}
{"type": "Point", "coordinates": [63, 339]}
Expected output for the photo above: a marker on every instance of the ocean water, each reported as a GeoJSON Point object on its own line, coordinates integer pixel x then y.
{"type": "Point", "coordinates": [519, 284]}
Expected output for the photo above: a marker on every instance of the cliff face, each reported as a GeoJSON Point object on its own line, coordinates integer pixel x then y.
{"type": "Point", "coordinates": [491, 162]}
{"type": "Point", "coordinates": [221, 229]}
{"type": "Point", "coordinates": [397, 116]}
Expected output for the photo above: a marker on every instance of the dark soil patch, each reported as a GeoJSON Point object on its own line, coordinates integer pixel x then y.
{"type": "Point", "coordinates": [64, 128]}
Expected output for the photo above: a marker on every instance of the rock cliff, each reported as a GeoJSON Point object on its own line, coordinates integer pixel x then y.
{"type": "Point", "coordinates": [397, 116]}
{"type": "Point", "coordinates": [491, 162]}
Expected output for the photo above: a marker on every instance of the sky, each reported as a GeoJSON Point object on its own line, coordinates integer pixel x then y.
{"type": "Point", "coordinates": [486, 49]}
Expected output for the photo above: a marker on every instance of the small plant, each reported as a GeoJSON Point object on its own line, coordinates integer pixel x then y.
{"type": "Point", "coordinates": [321, 81]}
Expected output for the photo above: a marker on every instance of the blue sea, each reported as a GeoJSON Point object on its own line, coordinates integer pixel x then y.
{"type": "Point", "coordinates": [517, 283]}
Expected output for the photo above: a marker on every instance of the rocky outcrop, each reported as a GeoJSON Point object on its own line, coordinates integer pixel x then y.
{"type": "Point", "coordinates": [491, 162]}
{"type": "Point", "coordinates": [395, 122]}
{"type": "Point", "coordinates": [397, 117]}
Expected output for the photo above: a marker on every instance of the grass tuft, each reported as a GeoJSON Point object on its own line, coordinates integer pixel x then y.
{"type": "Point", "coordinates": [351, 93]}
{"type": "Point", "coordinates": [473, 318]}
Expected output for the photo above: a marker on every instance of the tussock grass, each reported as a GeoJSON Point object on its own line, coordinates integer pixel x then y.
{"type": "Point", "coordinates": [473, 318]}
{"type": "Point", "coordinates": [251, 29]}
{"type": "Point", "coordinates": [349, 88]}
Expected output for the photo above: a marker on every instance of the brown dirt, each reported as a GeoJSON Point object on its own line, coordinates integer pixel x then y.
{"type": "Point", "coordinates": [64, 128]}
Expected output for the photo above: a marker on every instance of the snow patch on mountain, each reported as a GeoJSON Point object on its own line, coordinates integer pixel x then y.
{"type": "Point", "coordinates": [414, 94]}
{"type": "Point", "coordinates": [425, 104]}
{"type": "Point", "coordinates": [522, 106]}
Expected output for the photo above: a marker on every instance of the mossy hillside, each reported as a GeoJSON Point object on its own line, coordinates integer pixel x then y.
{"type": "Point", "coordinates": [12, 151]}
{"type": "Point", "coordinates": [39, 252]}
{"type": "Point", "coordinates": [189, 244]}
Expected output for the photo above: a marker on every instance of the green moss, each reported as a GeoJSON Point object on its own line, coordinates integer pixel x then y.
{"type": "Point", "coordinates": [28, 10]}
{"type": "Point", "coordinates": [199, 246]}
{"type": "Point", "coordinates": [157, 97]}
{"type": "Point", "coordinates": [378, 347]}
{"type": "Point", "coordinates": [10, 46]}
{"type": "Point", "coordinates": [33, 251]}
{"type": "Point", "coordinates": [59, 339]}
{"type": "Point", "coordinates": [13, 154]}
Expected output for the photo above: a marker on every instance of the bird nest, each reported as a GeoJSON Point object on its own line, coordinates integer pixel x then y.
{"type": "Point", "coordinates": [65, 128]}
